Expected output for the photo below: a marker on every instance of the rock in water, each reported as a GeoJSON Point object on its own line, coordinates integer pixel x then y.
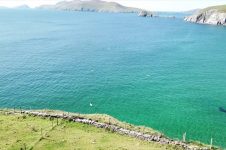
{"type": "Point", "coordinates": [145, 14]}
{"type": "Point", "coordinates": [212, 15]}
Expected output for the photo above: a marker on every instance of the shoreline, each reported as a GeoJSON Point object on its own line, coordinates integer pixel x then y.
{"type": "Point", "coordinates": [111, 124]}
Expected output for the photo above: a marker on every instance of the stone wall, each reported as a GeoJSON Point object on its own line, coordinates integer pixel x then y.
{"type": "Point", "coordinates": [114, 128]}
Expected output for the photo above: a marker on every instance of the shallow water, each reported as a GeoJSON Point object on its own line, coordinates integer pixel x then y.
{"type": "Point", "coordinates": [163, 73]}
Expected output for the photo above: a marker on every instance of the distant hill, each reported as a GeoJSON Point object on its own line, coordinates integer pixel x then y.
{"type": "Point", "coordinates": [191, 11]}
{"type": "Point", "coordinates": [2, 7]}
{"type": "Point", "coordinates": [23, 7]}
{"type": "Point", "coordinates": [215, 15]}
{"type": "Point", "coordinates": [94, 6]}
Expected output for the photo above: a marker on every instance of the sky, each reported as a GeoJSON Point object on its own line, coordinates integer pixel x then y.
{"type": "Point", "coordinates": [152, 5]}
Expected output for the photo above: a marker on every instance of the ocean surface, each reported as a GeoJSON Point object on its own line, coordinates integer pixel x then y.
{"type": "Point", "coordinates": [159, 72]}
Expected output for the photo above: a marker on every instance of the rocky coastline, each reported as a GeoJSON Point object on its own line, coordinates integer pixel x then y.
{"type": "Point", "coordinates": [211, 16]}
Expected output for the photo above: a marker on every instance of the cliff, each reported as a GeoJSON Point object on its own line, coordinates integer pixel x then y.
{"type": "Point", "coordinates": [215, 15]}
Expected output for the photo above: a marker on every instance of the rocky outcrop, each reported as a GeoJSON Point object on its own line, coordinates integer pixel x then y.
{"type": "Point", "coordinates": [145, 14]}
{"type": "Point", "coordinates": [208, 16]}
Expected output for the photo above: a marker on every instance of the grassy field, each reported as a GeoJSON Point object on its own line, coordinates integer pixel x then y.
{"type": "Point", "coordinates": [20, 132]}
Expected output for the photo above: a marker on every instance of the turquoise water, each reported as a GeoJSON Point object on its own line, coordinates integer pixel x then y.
{"type": "Point", "coordinates": [163, 73]}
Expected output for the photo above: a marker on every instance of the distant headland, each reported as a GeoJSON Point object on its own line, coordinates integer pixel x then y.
{"type": "Point", "coordinates": [96, 6]}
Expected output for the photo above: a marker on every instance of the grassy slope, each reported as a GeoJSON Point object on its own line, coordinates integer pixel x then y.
{"type": "Point", "coordinates": [105, 119]}
{"type": "Point", "coordinates": [220, 8]}
{"type": "Point", "coordinates": [26, 132]}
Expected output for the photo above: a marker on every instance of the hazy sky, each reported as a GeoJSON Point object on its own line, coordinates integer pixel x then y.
{"type": "Point", "coordinates": [154, 5]}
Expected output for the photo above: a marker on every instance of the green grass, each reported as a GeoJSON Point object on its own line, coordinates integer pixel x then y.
{"type": "Point", "coordinates": [27, 132]}
{"type": "Point", "coordinates": [106, 118]}
{"type": "Point", "coordinates": [220, 8]}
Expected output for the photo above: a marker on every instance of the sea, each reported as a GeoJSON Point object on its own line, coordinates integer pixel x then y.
{"type": "Point", "coordinates": [159, 72]}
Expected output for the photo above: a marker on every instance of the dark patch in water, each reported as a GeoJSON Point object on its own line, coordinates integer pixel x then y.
{"type": "Point", "coordinates": [221, 109]}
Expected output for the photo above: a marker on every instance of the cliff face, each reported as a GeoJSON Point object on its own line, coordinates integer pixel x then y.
{"type": "Point", "coordinates": [92, 5]}
{"type": "Point", "coordinates": [211, 16]}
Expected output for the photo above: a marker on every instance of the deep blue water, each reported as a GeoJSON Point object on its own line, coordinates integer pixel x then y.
{"type": "Point", "coordinates": [163, 73]}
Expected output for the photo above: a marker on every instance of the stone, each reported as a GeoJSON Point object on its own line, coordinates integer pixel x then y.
{"type": "Point", "coordinates": [145, 14]}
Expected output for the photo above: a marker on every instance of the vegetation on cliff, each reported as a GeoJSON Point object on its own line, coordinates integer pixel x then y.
{"type": "Point", "coordinates": [219, 8]}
